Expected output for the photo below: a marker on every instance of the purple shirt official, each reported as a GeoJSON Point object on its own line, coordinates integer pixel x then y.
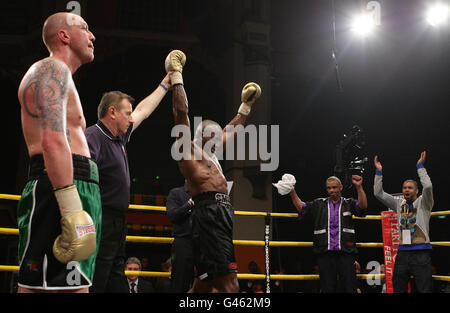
{"type": "Point", "coordinates": [333, 221]}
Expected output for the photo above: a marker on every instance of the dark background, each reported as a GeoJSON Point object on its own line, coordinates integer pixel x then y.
{"type": "Point", "coordinates": [395, 87]}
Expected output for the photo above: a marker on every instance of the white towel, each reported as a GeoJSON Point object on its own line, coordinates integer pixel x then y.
{"type": "Point", "coordinates": [286, 184]}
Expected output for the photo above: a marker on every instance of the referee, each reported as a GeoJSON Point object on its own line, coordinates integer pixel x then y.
{"type": "Point", "coordinates": [107, 141]}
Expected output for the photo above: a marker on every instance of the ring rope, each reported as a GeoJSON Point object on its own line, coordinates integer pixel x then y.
{"type": "Point", "coordinates": [256, 243]}
{"type": "Point", "coordinates": [245, 213]}
{"type": "Point", "coordinates": [168, 240]}
{"type": "Point", "coordinates": [13, 268]}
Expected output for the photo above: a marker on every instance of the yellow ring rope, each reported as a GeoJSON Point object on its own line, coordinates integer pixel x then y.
{"type": "Point", "coordinates": [168, 240]}
{"type": "Point", "coordinates": [256, 243]}
{"type": "Point", "coordinates": [11, 268]}
{"type": "Point", "coordinates": [245, 213]}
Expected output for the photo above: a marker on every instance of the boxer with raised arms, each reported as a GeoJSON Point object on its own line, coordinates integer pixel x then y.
{"type": "Point", "coordinates": [212, 214]}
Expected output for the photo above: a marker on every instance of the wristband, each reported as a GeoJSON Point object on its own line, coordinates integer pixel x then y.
{"type": "Point", "coordinates": [64, 187]}
{"type": "Point", "coordinates": [164, 86]}
{"type": "Point", "coordinates": [379, 173]}
{"type": "Point", "coordinates": [420, 165]}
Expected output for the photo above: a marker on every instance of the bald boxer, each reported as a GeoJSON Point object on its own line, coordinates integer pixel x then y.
{"type": "Point", "coordinates": [212, 214]}
{"type": "Point", "coordinates": [59, 212]}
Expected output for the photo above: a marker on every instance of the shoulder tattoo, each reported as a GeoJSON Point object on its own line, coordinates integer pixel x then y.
{"type": "Point", "coordinates": [49, 89]}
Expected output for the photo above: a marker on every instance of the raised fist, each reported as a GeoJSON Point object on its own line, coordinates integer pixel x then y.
{"type": "Point", "coordinates": [174, 63]}
{"type": "Point", "coordinates": [250, 93]}
{"type": "Point", "coordinates": [377, 164]}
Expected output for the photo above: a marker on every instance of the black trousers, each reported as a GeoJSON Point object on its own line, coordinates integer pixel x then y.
{"type": "Point", "coordinates": [109, 273]}
{"type": "Point", "coordinates": [182, 258]}
{"type": "Point", "coordinates": [414, 262]}
{"type": "Point", "coordinates": [334, 264]}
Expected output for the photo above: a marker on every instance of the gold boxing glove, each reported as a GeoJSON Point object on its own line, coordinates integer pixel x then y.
{"type": "Point", "coordinates": [250, 93]}
{"type": "Point", "coordinates": [175, 62]}
{"type": "Point", "coordinates": [77, 241]}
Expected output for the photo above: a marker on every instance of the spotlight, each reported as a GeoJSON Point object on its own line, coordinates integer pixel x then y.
{"type": "Point", "coordinates": [363, 25]}
{"type": "Point", "coordinates": [437, 14]}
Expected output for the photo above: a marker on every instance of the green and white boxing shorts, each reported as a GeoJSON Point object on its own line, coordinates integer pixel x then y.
{"type": "Point", "coordinates": [38, 218]}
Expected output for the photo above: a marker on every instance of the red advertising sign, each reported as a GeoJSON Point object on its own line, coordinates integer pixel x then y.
{"type": "Point", "coordinates": [391, 238]}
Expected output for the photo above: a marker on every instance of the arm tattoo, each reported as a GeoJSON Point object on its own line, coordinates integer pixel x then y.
{"type": "Point", "coordinates": [49, 87]}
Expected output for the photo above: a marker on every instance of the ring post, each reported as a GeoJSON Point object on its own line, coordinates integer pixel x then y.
{"type": "Point", "coordinates": [266, 251]}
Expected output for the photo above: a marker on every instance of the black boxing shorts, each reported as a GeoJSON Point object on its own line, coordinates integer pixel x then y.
{"type": "Point", "coordinates": [212, 235]}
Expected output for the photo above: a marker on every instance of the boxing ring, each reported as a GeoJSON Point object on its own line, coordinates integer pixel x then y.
{"type": "Point", "coordinates": [263, 243]}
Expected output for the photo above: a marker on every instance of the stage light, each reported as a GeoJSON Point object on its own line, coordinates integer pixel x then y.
{"type": "Point", "coordinates": [437, 14]}
{"type": "Point", "coordinates": [363, 25]}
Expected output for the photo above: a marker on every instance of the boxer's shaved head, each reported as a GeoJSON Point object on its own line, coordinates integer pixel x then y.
{"type": "Point", "coordinates": [54, 23]}
{"type": "Point", "coordinates": [210, 125]}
